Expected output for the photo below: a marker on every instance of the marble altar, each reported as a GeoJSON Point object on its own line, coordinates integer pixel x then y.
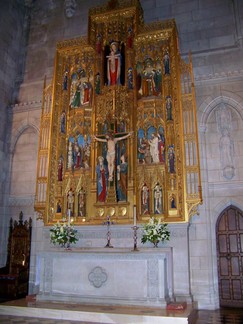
{"type": "Point", "coordinates": [118, 276]}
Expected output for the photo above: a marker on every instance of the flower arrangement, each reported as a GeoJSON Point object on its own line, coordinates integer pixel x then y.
{"type": "Point", "coordinates": [155, 231]}
{"type": "Point", "coordinates": [63, 234]}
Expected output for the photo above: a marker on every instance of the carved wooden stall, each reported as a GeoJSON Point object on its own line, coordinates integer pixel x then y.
{"type": "Point", "coordinates": [14, 277]}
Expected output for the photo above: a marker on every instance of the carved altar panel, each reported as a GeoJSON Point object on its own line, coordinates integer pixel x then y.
{"type": "Point", "coordinates": [104, 277]}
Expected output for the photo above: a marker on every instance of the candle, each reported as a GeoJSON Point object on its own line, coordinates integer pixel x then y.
{"type": "Point", "coordinates": [134, 216]}
{"type": "Point", "coordinates": [69, 215]}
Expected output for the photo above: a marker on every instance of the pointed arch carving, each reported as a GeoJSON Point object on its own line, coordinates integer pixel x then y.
{"type": "Point", "coordinates": [206, 108]}
{"type": "Point", "coordinates": [32, 123]}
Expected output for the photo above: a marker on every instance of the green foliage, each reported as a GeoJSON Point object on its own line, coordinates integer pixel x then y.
{"type": "Point", "coordinates": [155, 231]}
{"type": "Point", "coordinates": [63, 234]}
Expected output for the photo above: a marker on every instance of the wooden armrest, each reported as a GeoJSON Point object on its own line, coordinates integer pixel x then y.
{"type": "Point", "coordinates": [7, 276]}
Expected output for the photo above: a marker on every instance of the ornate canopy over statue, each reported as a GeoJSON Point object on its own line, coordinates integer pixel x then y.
{"type": "Point", "coordinates": [118, 124]}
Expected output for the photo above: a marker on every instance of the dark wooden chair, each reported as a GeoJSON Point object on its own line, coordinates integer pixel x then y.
{"type": "Point", "coordinates": [14, 277]}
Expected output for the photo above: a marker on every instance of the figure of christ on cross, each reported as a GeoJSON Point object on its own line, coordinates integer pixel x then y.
{"type": "Point", "coordinates": [111, 150]}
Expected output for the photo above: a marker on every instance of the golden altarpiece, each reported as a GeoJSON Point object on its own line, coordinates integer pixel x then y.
{"type": "Point", "coordinates": [118, 125]}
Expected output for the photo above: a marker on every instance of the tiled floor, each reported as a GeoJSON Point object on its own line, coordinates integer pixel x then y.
{"type": "Point", "coordinates": [225, 316]}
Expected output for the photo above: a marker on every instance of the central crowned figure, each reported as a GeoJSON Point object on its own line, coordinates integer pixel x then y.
{"type": "Point", "coordinates": [114, 65]}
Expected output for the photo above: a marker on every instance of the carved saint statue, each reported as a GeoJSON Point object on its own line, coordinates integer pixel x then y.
{"type": "Point", "coordinates": [70, 200]}
{"type": "Point", "coordinates": [81, 203]}
{"type": "Point", "coordinates": [154, 148]}
{"type": "Point", "coordinates": [130, 79]}
{"type": "Point", "coordinates": [157, 199]}
{"type": "Point", "coordinates": [59, 206]}
{"type": "Point", "coordinates": [171, 159]}
{"type": "Point", "coordinates": [65, 81]}
{"type": "Point", "coordinates": [122, 169]}
{"type": "Point", "coordinates": [226, 143]}
{"type": "Point", "coordinates": [60, 169]}
{"type": "Point", "coordinates": [169, 107]}
{"type": "Point", "coordinates": [114, 65]}
{"type": "Point", "coordinates": [63, 122]}
{"type": "Point", "coordinates": [166, 62]}
{"type": "Point", "coordinates": [172, 202]}
{"type": "Point", "coordinates": [145, 199]}
{"type": "Point", "coordinates": [226, 147]}
{"type": "Point", "coordinates": [70, 155]}
{"type": "Point", "coordinates": [148, 79]}
{"type": "Point", "coordinates": [102, 174]}
{"type": "Point", "coordinates": [161, 145]}
{"type": "Point", "coordinates": [76, 93]}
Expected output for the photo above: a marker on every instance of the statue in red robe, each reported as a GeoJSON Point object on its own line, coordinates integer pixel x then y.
{"type": "Point", "coordinates": [114, 65]}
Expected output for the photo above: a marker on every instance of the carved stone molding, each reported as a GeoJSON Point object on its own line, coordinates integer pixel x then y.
{"type": "Point", "coordinates": [23, 106]}
{"type": "Point", "coordinates": [219, 76]}
{"type": "Point", "coordinates": [97, 277]}
{"type": "Point", "coordinates": [21, 201]}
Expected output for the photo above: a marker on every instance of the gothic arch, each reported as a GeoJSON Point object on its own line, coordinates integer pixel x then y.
{"type": "Point", "coordinates": [228, 206]}
{"type": "Point", "coordinates": [17, 132]}
{"type": "Point", "coordinates": [22, 183]}
{"type": "Point", "coordinates": [225, 97]}
{"type": "Point", "coordinates": [233, 103]}
{"type": "Point", "coordinates": [218, 210]}
{"type": "Point", "coordinates": [223, 205]}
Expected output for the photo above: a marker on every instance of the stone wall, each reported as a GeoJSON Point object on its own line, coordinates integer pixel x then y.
{"type": "Point", "coordinates": [14, 20]}
{"type": "Point", "coordinates": [212, 30]}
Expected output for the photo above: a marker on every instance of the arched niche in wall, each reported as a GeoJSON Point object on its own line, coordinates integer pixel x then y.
{"type": "Point", "coordinates": [222, 124]}
{"type": "Point", "coordinates": [24, 159]}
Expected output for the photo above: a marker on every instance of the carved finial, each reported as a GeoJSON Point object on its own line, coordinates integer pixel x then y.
{"type": "Point", "coordinates": [112, 4]}
{"type": "Point", "coordinates": [11, 222]}
{"type": "Point", "coordinates": [21, 217]}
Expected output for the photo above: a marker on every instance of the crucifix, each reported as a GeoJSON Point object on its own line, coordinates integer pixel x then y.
{"type": "Point", "coordinates": [111, 150]}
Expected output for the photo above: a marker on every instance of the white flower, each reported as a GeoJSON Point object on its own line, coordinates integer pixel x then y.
{"type": "Point", "coordinates": [62, 234]}
{"type": "Point", "coordinates": [155, 231]}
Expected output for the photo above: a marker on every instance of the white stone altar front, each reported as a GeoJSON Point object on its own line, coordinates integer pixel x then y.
{"type": "Point", "coordinates": [106, 276]}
